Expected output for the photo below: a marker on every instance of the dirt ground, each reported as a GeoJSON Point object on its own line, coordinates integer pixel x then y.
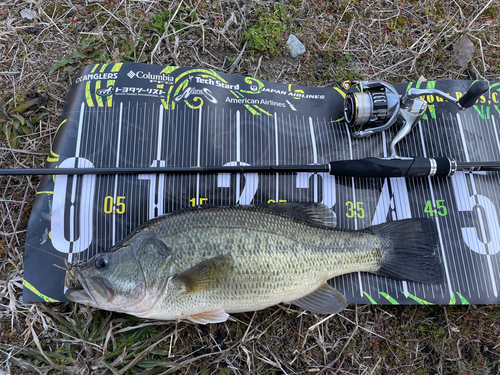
{"type": "Point", "coordinates": [42, 45]}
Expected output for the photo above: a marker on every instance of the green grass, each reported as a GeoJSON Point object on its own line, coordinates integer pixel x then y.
{"type": "Point", "coordinates": [269, 32]}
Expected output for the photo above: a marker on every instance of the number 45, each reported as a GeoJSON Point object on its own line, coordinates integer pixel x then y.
{"type": "Point", "coordinates": [440, 207]}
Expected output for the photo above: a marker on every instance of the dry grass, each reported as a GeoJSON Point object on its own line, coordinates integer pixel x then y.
{"type": "Point", "coordinates": [397, 40]}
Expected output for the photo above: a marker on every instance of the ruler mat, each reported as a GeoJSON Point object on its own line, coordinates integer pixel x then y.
{"type": "Point", "coordinates": [139, 115]}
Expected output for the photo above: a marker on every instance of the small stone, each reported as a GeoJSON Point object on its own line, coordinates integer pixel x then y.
{"type": "Point", "coordinates": [33, 30]}
{"type": "Point", "coordinates": [296, 47]}
{"type": "Point", "coordinates": [29, 14]}
{"type": "Point", "coordinates": [463, 50]}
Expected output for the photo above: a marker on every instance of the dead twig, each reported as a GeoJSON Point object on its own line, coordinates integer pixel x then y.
{"type": "Point", "coordinates": [237, 60]}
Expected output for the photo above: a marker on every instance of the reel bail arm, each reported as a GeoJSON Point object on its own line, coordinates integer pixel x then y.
{"type": "Point", "coordinates": [412, 108]}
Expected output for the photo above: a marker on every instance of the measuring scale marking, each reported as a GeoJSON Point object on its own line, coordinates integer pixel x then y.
{"type": "Point", "coordinates": [276, 154]}
{"type": "Point", "coordinates": [361, 288]}
{"type": "Point", "coordinates": [438, 224]}
{"type": "Point", "coordinates": [481, 223]}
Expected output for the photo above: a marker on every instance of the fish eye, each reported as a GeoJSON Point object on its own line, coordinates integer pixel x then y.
{"type": "Point", "coordinates": [101, 262]}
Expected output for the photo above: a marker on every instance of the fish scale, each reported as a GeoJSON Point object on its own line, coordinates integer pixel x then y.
{"type": "Point", "coordinates": [275, 258]}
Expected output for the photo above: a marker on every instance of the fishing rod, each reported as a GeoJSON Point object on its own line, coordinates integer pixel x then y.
{"type": "Point", "coordinates": [368, 167]}
{"type": "Point", "coordinates": [372, 109]}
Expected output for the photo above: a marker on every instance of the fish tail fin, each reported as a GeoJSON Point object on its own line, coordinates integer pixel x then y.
{"type": "Point", "coordinates": [411, 251]}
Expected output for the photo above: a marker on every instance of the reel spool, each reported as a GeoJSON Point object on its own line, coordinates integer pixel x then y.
{"type": "Point", "coordinates": [371, 110]}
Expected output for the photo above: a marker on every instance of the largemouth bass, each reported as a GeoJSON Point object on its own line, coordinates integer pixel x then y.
{"type": "Point", "coordinates": [202, 263]}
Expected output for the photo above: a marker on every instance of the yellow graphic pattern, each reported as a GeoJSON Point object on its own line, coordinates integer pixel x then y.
{"type": "Point", "coordinates": [165, 102]}
{"type": "Point", "coordinates": [237, 94]}
{"type": "Point", "coordinates": [111, 82]}
{"type": "Point", "coordinates": [34, 290]}
{"type": "Point", "coordinates": [89, 92]}
{"type": "Point", "coordinates": [168, 69]}
{"type": "Point", "coordinates": [116, 67]}
{"type": "Point", "coordinates": [389, 298]}
{"type": "Point", "coordinates": [430, 107]}
{"type": "Point", "coordinates": [299, 91]}
{"type": "Point", "coordinates": [88, 95]}
{"type": "Point", "coordinates": [462, 299]}
{"type": "Point", "coordinates": [252, 111]}
{"type": "Point", "coordinates": [51, 159]}
{"type": "Point", "coordinates": [183, 85]}
{"type": "Point", "coordinates": [419, 300]}
{"type": "Point", "coordinates": [97, 97]}
{"type": "Point", "coordinates": [169, 102]}
{"type": "Point", "coordinates": [370, 298]}
{"type": "Point", "coordinates": [196, 99]}
{"type": "Point", "coordinates": [453, 299]}
{"type": "Point", "coordinates": [252, 81]}
{"type": "Point", "coordinates": [340, 92]}
{"type": "Point", "coordinates": [53, 156]}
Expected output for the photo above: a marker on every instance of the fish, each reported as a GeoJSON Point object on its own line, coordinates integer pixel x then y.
{"type": "Point", "coordinates": [203, 263]}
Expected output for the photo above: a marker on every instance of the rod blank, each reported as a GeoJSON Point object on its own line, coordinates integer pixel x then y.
{"type": "Point", "coordinates": [170, 170]}
{"type": "Point", "coordinates": [369, 167]}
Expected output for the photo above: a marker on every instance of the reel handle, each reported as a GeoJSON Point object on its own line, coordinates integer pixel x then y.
{"type": "Point", "coordinates": [473, 94]}
{"type": "Point", "coordinates": [384, 168]}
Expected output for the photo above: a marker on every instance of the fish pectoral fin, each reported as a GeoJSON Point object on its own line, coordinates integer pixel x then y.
{"type": "Point", "coordinates": [213, 316]}
{"type": "Point", "coordinates": [205, 275]}
{"type": "Point", "coordinates": [324, 300]}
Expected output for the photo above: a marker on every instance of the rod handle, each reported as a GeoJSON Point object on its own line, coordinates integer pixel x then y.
{"type": "Point", "coordinates": [473, 94]}
{"type": "Point", "coordinates": [384, 168]}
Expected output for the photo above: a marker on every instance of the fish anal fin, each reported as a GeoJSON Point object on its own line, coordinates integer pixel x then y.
{"type": "Point", "coordinates": [213, 316]}
{"type": "Point", "coordinates": [205, 275]}
{"type": "Point", "coordinates": [324, 300]}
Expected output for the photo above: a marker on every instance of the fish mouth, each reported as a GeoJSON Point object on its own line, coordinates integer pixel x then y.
{"type": "Point", "coordinates": [95, 291]}
{"type": "Point", "coordinates": [79, 293]}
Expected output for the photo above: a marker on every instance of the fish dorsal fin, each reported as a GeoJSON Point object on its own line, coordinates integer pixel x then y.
{"type": "Point", "coordinates": [205, 275]}
{"type": "Point", "coordinates": [324, 300]}
{"type": "Point", "coordinates": [213, 316]}
{"type": "Point", "coordinates": [317, 214]}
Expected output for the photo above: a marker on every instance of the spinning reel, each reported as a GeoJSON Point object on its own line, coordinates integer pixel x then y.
{"type": "Point", "coordinates": [377, 106]}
